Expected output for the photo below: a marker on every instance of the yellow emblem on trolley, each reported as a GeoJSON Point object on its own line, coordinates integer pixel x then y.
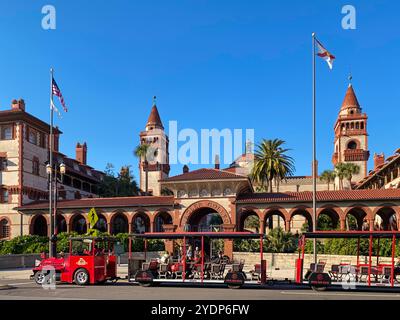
{"type": "Point", "coordinates": [93, 217]}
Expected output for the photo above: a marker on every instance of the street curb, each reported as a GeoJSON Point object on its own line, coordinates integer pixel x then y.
{"type": "Point", "coordinates": [5, 287]}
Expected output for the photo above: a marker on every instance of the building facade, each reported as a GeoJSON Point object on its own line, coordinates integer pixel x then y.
{"type": "Point", "coordinates": [23, 155]}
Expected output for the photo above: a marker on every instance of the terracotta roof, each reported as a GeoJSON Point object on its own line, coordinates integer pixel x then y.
{"type": "Point", "coordinates": [205, 174]}
{"type": "Point", "coordinates": [104, 202]}
{"type": "Point", "coordinates": [350, 99]}
{"type": "Point", "coordinates": [338, 195]}
{"type": "Point", "coordinates": [154, 118]}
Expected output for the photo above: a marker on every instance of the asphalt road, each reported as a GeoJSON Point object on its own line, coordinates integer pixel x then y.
{"type": "Point", "coordinates": [27, 290]}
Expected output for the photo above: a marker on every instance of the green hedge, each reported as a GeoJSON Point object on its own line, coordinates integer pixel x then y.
{"type": "Point", "coordinates": [36, 244]}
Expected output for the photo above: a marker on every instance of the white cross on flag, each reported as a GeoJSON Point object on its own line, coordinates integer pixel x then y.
{"type": "Point", "coordinates": [325, 54]}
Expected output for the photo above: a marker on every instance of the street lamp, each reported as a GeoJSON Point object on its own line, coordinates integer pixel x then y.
{"type": "Point", "coordinates": [53, 186]}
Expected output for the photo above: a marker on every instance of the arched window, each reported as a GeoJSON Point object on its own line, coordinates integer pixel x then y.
{"type": "Point", "coordinates": [352, 145]}
{"type": "Point", "coordinates": [357, 125]}
{"type": "Point", "coordinates": [362, 126]}
{"type": "Point", "coordinates": [4, 229]}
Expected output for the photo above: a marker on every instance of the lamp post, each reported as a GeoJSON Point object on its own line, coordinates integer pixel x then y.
{"type": "Point", "coordinates": [53, 190]}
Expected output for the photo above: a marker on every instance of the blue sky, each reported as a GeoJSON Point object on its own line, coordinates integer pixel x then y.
{"type": "Point", "coordinates": [211, 64]}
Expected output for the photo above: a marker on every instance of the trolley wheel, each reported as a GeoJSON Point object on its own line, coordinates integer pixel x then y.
{"type": "Point", "coordinates": [81, 277]}
{"type": "Point", "coordinates": [234, 286]}
{"type": "Point", "coordinates": [146, 284]}
{"type": "Point", "coordinates": [39, 277]}
{"type": "Point", "coordinates": [319, 288]}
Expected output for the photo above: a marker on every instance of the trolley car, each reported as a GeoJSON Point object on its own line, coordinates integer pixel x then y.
{"type": "Point", "coordinates": [203, 271]}
{"type": "Point", "coordinates": [371, 272]}
{"type": "Point", "coordinates": [90, 260]}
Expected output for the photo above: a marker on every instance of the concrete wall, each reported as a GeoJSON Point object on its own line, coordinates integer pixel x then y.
{"type": "Point", "coordinates": [13, 261]}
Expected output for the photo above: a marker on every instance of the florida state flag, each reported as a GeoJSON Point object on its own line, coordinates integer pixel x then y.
{"type": "Point", "coordinates": [325, 54]}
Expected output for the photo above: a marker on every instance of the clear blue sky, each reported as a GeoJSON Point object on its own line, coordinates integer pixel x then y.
{"type": "Point", "coordinates": [212, 64]}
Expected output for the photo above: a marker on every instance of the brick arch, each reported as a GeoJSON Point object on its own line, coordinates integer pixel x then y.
{"type": "Point", "coordinates": [118, 213]}
{"type": "Point", "coordinates": [393, 206]}
{"type": "Point", "coordinates": [385, 218]}
{"type": "Point", "coordinates": [332, 207]}
{"type": "Point", "coordinates": [361, 206]}
{"type": "Point", "coordinates": [143, 213]}
{"type": "Point", "coordinates": [33, 218]}
{"type": "Point", "coordinates": [308, 216]}
{"type": "Point", "coordinates": [242, 216]}
{"type": "Point", "coordinates": [74, 215]}
{"type": "Point", "coordinates": [226, 219]}
{"type": "Point", "coordinates": [283, 212]}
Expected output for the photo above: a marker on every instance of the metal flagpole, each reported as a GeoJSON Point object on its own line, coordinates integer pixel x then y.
{"type": "Point", "coordinates": [51, 166]}
{"type": "Point", "coordinates": [314, 150]}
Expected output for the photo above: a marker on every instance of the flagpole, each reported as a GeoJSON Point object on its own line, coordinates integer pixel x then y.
{"type": "Point", "coordinates": [51, 251]}
{"type": "Point", "coordinates": [314, 151]}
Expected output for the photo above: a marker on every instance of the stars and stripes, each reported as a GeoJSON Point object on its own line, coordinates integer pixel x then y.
{"type": "Point", "coordinates": [325, 54]}
{"type": "Point", "coordinates": [57, 92]}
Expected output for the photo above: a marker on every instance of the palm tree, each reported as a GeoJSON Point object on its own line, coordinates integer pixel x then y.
{"type": "Point", "coordinates": [340, 171]}
{"type": "Point", "coordinates": [328, 176]}
{"type": "Point", "coordinates": [271, 162]}
{"type": "Point", "coordinates": [143, 151]}
{"type": "Point", "coordinates": [280, 241]}
{"type": "Point", "coordinates": [351, 169]}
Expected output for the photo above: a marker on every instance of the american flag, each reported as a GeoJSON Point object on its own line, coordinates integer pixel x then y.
{"type": "Point", "coordinates": [57, 92]}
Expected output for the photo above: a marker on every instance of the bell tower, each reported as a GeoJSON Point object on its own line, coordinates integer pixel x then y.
{"type": "Point", "coordinates": [351, 138]}
{"type": "Point", "coordinates": [155, 166]}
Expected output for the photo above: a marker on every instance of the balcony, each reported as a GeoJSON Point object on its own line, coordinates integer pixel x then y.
{"type": "Point", "coordinates": [356, 155]}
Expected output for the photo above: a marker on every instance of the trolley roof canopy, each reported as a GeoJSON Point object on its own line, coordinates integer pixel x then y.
{"type": "Point", "coordinates": [181, 235]}
{"type": "Point", "coordinates": [351, 234]}
{"type": "Point", "coordinates": [111, 239]}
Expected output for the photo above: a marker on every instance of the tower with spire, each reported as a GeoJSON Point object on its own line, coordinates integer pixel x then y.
{"type": "Point", "coordinates": [157, 165]}
{"type": "Point", "coordinates": [351, 138]}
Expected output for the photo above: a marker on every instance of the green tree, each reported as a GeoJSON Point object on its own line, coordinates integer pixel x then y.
{"type": "Point", "coordinates": [252, 222]}
{"type": "Point", "coordinates": [340, 171]}
{"type": "Point", "coordinates": [281, 241]}
{"type": "Point", "coordinates": [271, 163]}
{"type": "Point", "coordinates": [350, 170]}
{"type": "Point", "coordinates": [328, 176]}
{"type": "Point", "coordinates": [145, 152]}
{"type": "Point", "coordinates": [122, 185]}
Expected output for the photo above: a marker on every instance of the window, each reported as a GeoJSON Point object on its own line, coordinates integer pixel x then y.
{"type": "Point", "coordinates": [7, 132]}
{"type": "Point", "coordinates": [32, 136]}
{"type": "Point", "coordinates": [4, 196]}
{"type": "Point", "coordinates": [35, 166]}
{"type": "Point", "coordinates": [4, 229]}
{"type": "Point", "coordinates": [3, 164]}
{"type": "Point", "coordinates": [352, 145]}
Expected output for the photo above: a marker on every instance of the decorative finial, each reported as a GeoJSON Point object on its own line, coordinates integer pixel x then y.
{"type": "Point", "coordinates": [154, 100]}
{"type": "Point", "coordinates": [350, 77]}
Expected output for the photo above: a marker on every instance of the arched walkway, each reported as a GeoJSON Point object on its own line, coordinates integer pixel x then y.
{"type": "Point", "coordinates": [274, 218]}
{"type": "Point", "coordinates": [385, 219]}
{"type": "Point", "coordinates": [249, 221]}
{"type": "Point", "coordinates": [204, 216]}
{"type": "Point", "coordinates": [119, 223]}
{"type": "Point", "coordinates": [101, 224]}
{"type": "Point", "coordinates": [78, 224]}
{"type": "Point", "coordinates": [356, 219]}
{"type": "Point", "coordinates": [161, 219]}
{"type": "Point", "coordinates": [328, 219]}
{"type": "Point", "coordinates": [61, 223]}
{"type": "Point", "coordinates": [140, 223]}
{"type": "Point", "coordinates": [39, 225]}
{"type": "Point", "coordinates": [301, 220]}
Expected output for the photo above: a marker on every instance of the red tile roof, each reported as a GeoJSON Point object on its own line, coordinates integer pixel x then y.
{"type": "Point", "coordinates": [154, 118]}
{"type": "Point", "coordinates": [205, 174]}
{"type": "Point", "coordinates": [350, 99]}
{"type": "Point", "coordinates": [104, 202]}
{"type": "Point", "coordinates": [338, 195]}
